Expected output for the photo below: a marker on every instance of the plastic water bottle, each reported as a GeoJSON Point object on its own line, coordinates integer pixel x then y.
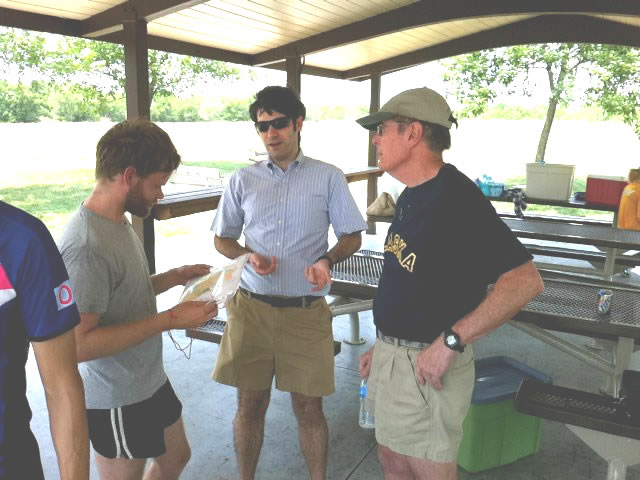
{"type": "Point", "coordinates": [366, 419]}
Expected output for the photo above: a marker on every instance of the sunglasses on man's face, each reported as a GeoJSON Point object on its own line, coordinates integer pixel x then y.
{"type": "Point", "coordinates": [277, 123]}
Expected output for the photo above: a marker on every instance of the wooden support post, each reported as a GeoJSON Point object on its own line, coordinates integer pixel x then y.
{"type": "Point", "coordinates": [294, 73]}
{"type": "Point", "coordinates": [136, 66]}
{"type": "Point", "coordinates": [372, 182]}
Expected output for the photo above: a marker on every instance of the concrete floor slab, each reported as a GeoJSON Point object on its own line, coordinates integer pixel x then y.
{"type": "Point", "coordinates": [209, 409]}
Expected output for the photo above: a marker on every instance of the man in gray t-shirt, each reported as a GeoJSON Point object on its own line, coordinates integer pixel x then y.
{"type": "Point", "coordinates": [132, 410]}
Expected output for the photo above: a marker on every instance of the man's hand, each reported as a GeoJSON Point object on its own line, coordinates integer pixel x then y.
{"type": "Point", "coordinates": [261, 264]}
{"type": "Point", "coordinates": [187, 272]}
{"type": "Point", "coordinates": [191, 314]}
{"type": "Point", "coordinates": [318, 274]}
{"type": "Point", "coordinates": [365, 363]}
{"type": "Point", "coordinates": [433, 362]}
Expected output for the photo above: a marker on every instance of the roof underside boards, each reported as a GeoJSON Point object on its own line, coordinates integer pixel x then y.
{"type": "Point", "coordinates": [338, 38]}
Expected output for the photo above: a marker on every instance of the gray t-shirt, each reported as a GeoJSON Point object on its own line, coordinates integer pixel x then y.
{"type": "Point", "coordinates": [110, 277]}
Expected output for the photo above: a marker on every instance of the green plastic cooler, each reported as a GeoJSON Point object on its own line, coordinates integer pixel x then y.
{"type": "Point", "coordinates": [494, 432]}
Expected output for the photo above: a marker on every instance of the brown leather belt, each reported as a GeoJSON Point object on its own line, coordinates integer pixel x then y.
{"type": "Point", "coordinates": [282, 302]}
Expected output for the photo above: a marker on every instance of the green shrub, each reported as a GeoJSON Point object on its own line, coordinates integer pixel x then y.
{"type": "Point", "coordinates": [23, 104]}
{"type": "Point", "coordinates": [76, 106]}
{"type": "Point", "coordinates": [174, 109]}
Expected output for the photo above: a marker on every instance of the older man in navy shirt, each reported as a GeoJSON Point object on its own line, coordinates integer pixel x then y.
{"type": "Point", "coordinates": [279, 323]}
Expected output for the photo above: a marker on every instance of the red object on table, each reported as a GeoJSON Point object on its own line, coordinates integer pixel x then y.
{"type": "Point", "coordinates": [605, 190]}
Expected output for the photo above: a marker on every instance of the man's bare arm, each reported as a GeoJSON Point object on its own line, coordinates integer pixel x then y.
{"type": "Point", "coordinates": [64, 393]}
{"type": "Point", "coordinates": [346, 246]}
{"type": "Point", "coordinates": [177, 276]}
{"type": "Point", "coordinates": [95, 341]}
{"type": "Point", "coordinates": [319, 274]}
{"type": "Point", "coordinates": [513, 290]}
{"type": "Point", "coordinates": [230, 248]}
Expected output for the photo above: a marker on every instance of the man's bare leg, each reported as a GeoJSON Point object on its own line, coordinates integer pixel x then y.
{"type": "Point", "coordinates": [170, 465]}
{"type": "Point", "coordinates": [403, 467]}
{"type": "Point", "coordinates": [248, 430]}
{"type": "Point", "coordinates": [119, 468]}
{"type": "Point", "coordinates": [314, 433]}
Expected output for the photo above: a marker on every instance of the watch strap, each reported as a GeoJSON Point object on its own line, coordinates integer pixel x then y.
{"type": "Point", "coordinates": [327, 258]}
{"type": "Point", "coordinates": [458, 347]}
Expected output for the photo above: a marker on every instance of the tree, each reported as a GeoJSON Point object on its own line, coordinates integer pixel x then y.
{"type": "Point", "coordinates": [613, 73]}
{"type": "Point", "coordinates": [22, 104]}
{"type": "Point", "coordinates": [100, 65]}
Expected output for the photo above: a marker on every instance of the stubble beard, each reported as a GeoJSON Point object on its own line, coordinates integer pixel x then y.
{"type": "Point", "coordinates": [136, 205]}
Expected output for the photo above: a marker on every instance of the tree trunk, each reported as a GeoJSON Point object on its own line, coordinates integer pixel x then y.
{"type": "Point", "coordinates": [556, 86]}
{"type": "Point", "coordinates": [544, 135]}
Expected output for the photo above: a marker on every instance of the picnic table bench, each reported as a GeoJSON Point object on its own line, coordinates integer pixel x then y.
{"type": "Point", "coordinates": [610, 426]}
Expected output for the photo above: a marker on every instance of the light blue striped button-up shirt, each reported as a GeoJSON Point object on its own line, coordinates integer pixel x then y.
{"type": "Point", "coordinates": [286, 215]}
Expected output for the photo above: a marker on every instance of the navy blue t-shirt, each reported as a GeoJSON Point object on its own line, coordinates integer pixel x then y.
{"type": "Point", "coordinates": [36, 304]}
{"type": "Point", "coordinates": [445, 246]}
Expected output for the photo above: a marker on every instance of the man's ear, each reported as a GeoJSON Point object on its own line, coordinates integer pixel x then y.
{"type": "Point", "coordinates": [130, 176]}
{"type": "Point", "coordinates": [416, 131]}
{"type": "Point", "coordinates": [299, 122]}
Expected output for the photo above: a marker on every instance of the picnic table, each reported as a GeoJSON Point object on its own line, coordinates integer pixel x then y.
{"type": "Point", "coordinates": [195, 200]}
{"type": "Point", "coordinates": [609, 239]}
{"type": "Point", "coordinates": [570, 203]}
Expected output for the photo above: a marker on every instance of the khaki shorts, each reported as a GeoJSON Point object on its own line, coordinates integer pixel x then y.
{"type": "Point", "coordinates": [413, 419]}
{"type": "Point", "coordinates": [293, 344]}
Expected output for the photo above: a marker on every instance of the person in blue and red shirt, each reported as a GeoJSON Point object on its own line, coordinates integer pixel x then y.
{"type": "Point", "coordinates": [37, 306]}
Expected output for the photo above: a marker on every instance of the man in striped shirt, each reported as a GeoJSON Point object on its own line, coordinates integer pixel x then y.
{"type": "Point", "coordinates": [279, 324]}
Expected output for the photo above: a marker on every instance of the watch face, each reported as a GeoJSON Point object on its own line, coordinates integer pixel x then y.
{"type": "Point", "coordinates": [451, 340]}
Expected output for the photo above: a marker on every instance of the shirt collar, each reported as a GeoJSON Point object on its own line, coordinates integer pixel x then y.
{"type": "Point", "coordinates": [297, 162]}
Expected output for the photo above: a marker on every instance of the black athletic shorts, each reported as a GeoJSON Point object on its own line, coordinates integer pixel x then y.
{"type": "Point", "coordinates": [137, 430]}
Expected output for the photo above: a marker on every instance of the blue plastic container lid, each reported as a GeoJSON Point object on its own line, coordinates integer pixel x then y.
{"type": "Point", "coordinates": [498, 378]}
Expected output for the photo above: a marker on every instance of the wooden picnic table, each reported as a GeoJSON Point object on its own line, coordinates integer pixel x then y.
{"type": "Point", "coordinates": [196, 200]}
{"type": "Point", "coordinates": [599, 236]}
{"type": "Point", "coordinates": [571, 203]}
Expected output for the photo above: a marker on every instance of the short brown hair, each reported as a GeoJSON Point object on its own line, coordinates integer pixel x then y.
{"type": "Point", "coordinates": [138, 143]}
{"type": "Point", "coordinates": [634, 175]}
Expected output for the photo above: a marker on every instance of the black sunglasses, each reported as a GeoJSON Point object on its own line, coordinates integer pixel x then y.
{"type": "Point", "coordinates": [277, 123]}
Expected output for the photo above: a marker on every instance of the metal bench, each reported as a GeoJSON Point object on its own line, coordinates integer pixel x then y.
{"type": "Point", "coordinates": [606, 424]}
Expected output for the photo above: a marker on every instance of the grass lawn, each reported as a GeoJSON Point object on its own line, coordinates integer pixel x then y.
{"type": "Point", "coordinates": [226, 168]}
{"type": "Point", "coordinates": [50, 196]}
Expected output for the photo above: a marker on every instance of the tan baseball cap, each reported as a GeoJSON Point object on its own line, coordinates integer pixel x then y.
{"type": "Point", "coordinates": [418, 103]}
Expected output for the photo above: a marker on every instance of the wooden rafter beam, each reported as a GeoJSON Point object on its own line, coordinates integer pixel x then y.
{"type": "Point", "coordinates": [111, 20]}
{"type": "Point", "coordinates": [432, 12]}
{"type": "Point", "coordinates": [310, 70]}
{"type": "Point", "coordinates": [542, 29]}
{"type": "Point", "coordinates": [194, 50]}
{"type": "Point", "coordinates": [37, 22]}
